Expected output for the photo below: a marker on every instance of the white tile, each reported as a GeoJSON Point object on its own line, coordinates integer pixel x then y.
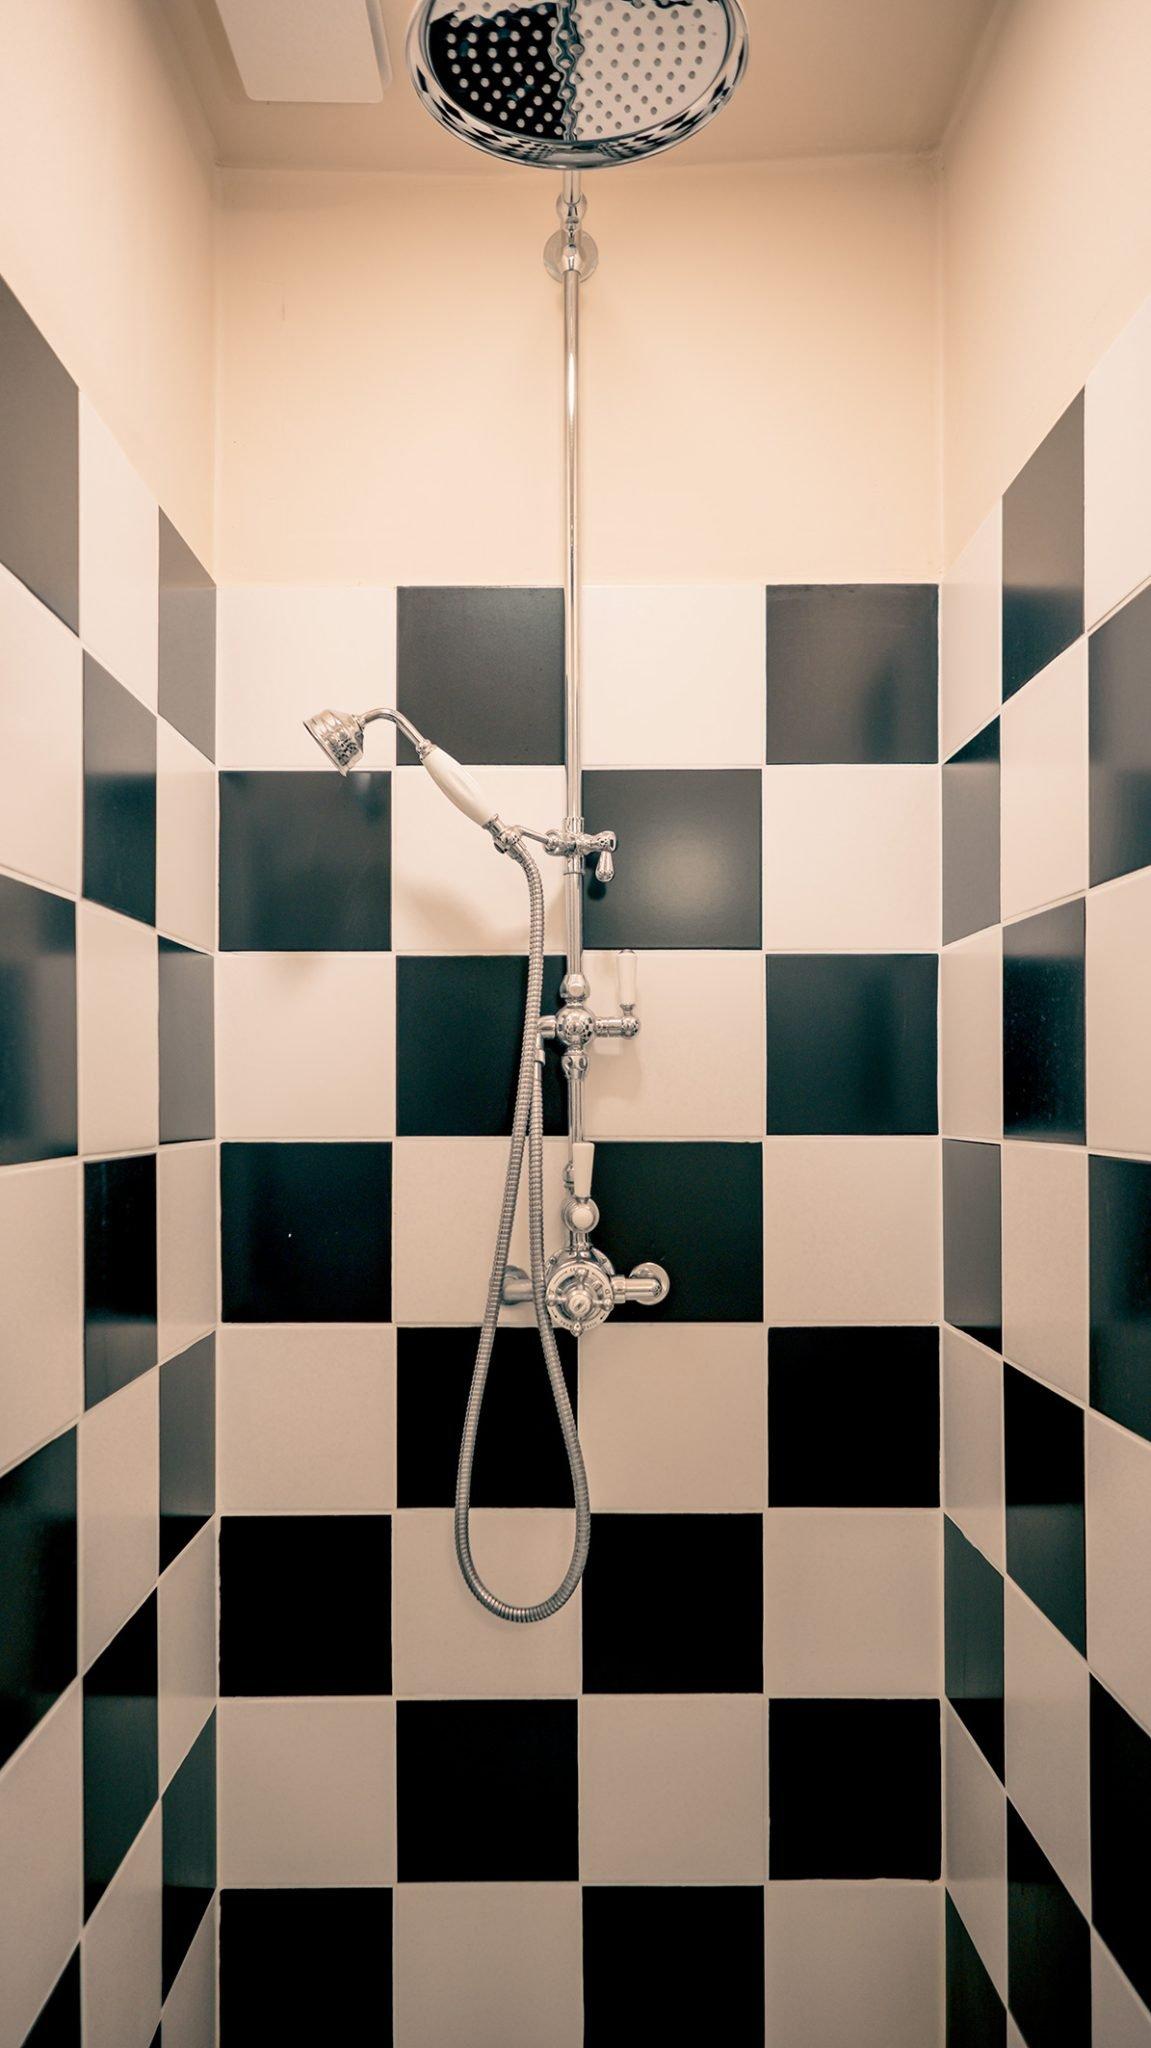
{"type": "Point", "coordinates": [41, 1859]}
{"type": "Point", "coordinates": [119, 1499]}
{"type": "Point", "coordinates": [672, 1790]}
{"type": "Point", "coordinates": [41, 735]}
{"type": "Point", "coordinates": [119, 561]}
{"type": "Point", "coordinates": [187, 1206]}
{"type": "Point", "coordinates": [1119, 1562]}
{"type": "Point", "coordinates": [973, 1442]}
{"type": "Point", "coordinates": [305, 1045]}
{"type": "Point", "coordinates": [482, 1962]}
{"type": "Point", "coordinates": [674, 675]}
{"type": "Point", "coordinates": [444, 1644]}
{"type": "Point", "coordinates": [854, 1965]}
{"type": "Point", "coordinates": [975, 1863]}
{"type": "Point", "coordinates": [441, 1187]}
{"type": "Point", "coordinates": [1014, 2037]}
{"type": "Point", "coordinates": [971, 1036]}
{"type": "Point", "coordinates": [1045, 1277]}
{"type": "Point", "coordinates": [451, 891]}
{"type": "Point", "coordinates": [118, 1006]}
{"type": "Point", "coordinates": [306, 1418]}
{"type": "Point", "coordinates": [307, 1792]}
{"type": "Point", "coordinates": [970, 636]}
{"type": "Point", "coordinates": [120, 1960]}
{"type": "Point", "coordinates": [187, 1630]}
{"type": "Point", "coordinates": [851, 1230]}
{"type": "Point", "coordinates": [1043, 786]}
{"type": "Point", "coordinates": [41, 1312]}
{"type": "Point", "coordinates": [851, 1603]}
{"type": "Point", "coordinates": [673, 1416]}
{"type": "Point", "coordinates": [190, 2007]}
{"type": "Point", "coordinates": [1117, 470]}
{"type": "Point", "coordinates": [1119, 1015]}
{"type": "Point", "coordinates": [851, 860]}
{"type": "Point", "coordinates": [697, 1068]}
{"type": "Point", "coordinates": [185, 840]}
{"type": "Point", "coordinates": [1119, 2018]}
{"type": "Point", "coordinates": [1047, 1739]}
{"type": "Point", "coordinates": [285, 651]}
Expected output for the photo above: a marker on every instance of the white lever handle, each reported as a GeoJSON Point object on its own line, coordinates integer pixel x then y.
{"type": "Point", "coordinates": [583, 1156]}
{"type": "Point", "coordinates": [462, 789]}
{"type": "Point", "coordinates": [628, 968]}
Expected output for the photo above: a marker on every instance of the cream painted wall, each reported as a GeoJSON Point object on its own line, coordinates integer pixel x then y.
{"type": "Point", "coordinates": [761, 358]}
{"type": "Point", "coordinates": [106, 229]}
{"type": "Point", "coordinates": [1046, 232]}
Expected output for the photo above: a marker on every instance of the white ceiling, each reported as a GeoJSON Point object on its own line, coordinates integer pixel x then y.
{"type": "Point", "coordinates": [825, 78]}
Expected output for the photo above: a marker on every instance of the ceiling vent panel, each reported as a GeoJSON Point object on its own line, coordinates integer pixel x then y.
{"type": "Point", "coordinates": [330, 52]}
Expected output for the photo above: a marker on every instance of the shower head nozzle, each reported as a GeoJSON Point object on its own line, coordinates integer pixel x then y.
{"type": "Point", "coordinates": [341, 735]}
{"type": "Point", "coordinates": [572, 85]}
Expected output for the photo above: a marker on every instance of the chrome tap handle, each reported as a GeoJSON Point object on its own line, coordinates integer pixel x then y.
{"type": "Point", "coordinates": [627, 968]}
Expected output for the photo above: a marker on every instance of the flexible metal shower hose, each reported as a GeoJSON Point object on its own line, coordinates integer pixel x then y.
{"type": "Point", "coordinates": [527, 1124]}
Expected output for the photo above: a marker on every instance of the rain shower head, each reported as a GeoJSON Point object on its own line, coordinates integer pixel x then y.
{"type": "Point", "coordinates": [576, 84]}
{"type": "Point", "coordinates": [341, 735]}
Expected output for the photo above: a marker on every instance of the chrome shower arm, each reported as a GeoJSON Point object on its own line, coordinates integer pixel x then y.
{"type": "Point", "coordinates": [404, 725]}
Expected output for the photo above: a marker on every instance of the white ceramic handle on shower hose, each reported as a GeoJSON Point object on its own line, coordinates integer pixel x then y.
{"type": "Point", "coordinates": [461, 788]}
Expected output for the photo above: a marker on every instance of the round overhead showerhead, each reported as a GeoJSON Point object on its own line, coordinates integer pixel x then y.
{"type": "Point", "coordinates": [575, 84]}
{"type": "Point", "coordinates": [341, 735]}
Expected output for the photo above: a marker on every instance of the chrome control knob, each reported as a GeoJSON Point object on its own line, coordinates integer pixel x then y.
{"type": "Point", "coordinates": [579, 1293]}
{"type": "Point", "coordinates": [604, 867]}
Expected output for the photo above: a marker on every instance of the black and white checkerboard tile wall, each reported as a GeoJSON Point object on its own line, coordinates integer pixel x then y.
{"type": "Point", "coordinates": [1046, 1105]}
{"type": "Point", "coordinates": [462, 1826]}
{"type": "Point", "coordinates": [107, 1236]}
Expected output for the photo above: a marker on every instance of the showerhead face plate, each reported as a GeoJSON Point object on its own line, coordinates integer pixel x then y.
{"type": "Point", "coordinates": [576, 84]}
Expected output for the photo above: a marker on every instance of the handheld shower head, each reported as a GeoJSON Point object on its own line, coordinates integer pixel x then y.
{"type": "Point", "coordinates": [575, 84]}
{"type": "Point", "coordinates": [341, 735]}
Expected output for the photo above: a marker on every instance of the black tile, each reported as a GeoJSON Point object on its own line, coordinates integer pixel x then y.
{"type": "Point", "coordinates": [520, 1458]}
{"type": "Point", "coordinates": [1044, 1028]}
{"type": "Point", "coordinates": [695, 1209]}
{"type": "Point", "coordinates": [854, 1788]}
{"type": "Point", "coordinates": [459, 1022]}
{"type": "Point", "coordinates": [486, 1790]}
{"type": "Point", "coordinates": [851, 1043]}
{"type": "Point", "coordinates": [972, 1252]}
{"type": "Point", "coordinates": [37, 1023]}
{"type": "Point", "coordinates": [674, 1603]}
{"type": "Point", "coordinates": [973, 1641]}
{"type": "Point", "coordinates": [187, 696]}
{"type": "Point", "coordinates": [971, 836]}
{"type": "Point", "coordinates": [1048, 1948]}
{"type": "Point", "coordinates": [119, 1272]}
{"type": "Point", "coordinates": [59, 2023]}
{"type": "Point", "coordinates": [1043, 1472]}
{"type": "Point", "coordinates": [121, 1762]}
{"type": "Point", "coordinates": [187, 1058]}
{"type": "Point", "coordinates": [481, 671]}
{"type": "Point", "coordinates": [119, 796]}
{"type": "Point", "coordinates": [187, 1446]}
{"type": "Point", "coordinates": [1120, 1201]}
{"type": "Point", "coordinates": [852, 672]}
{"type": "Point", "coordinates": [40, 464]}
{"type": "Point", "coordinates": [853, 1418]}
{"type": "Point", "coordinates": [677, 1964]}
{"type": "Point", "coordinates": [1120, 1832]}
{"type": "Point", "coordinates": [306, 1233]}
{"type": "Point", "coordinates": [1043, 553]}
{"type": "Point", "coordinates": [304, 1604]}
{"type": "Point", "coordinates": [1119, 685]}
{"type": "Point", "coordinates": [305, 862]}
{"type": "Point", "coordinates": [37, 1587]}
{"type": "Point", "coordinates": [189, 1851]}
{"type": "Point", "coordinates": [976, 2015]}
{"type": "Point", "coordinates": [339, 1985]}
{"type": "Point", "coordinates": [687, 873]}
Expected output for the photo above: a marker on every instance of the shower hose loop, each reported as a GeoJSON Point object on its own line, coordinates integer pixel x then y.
{"type": "Point", "coordinates": [527, 1127]}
